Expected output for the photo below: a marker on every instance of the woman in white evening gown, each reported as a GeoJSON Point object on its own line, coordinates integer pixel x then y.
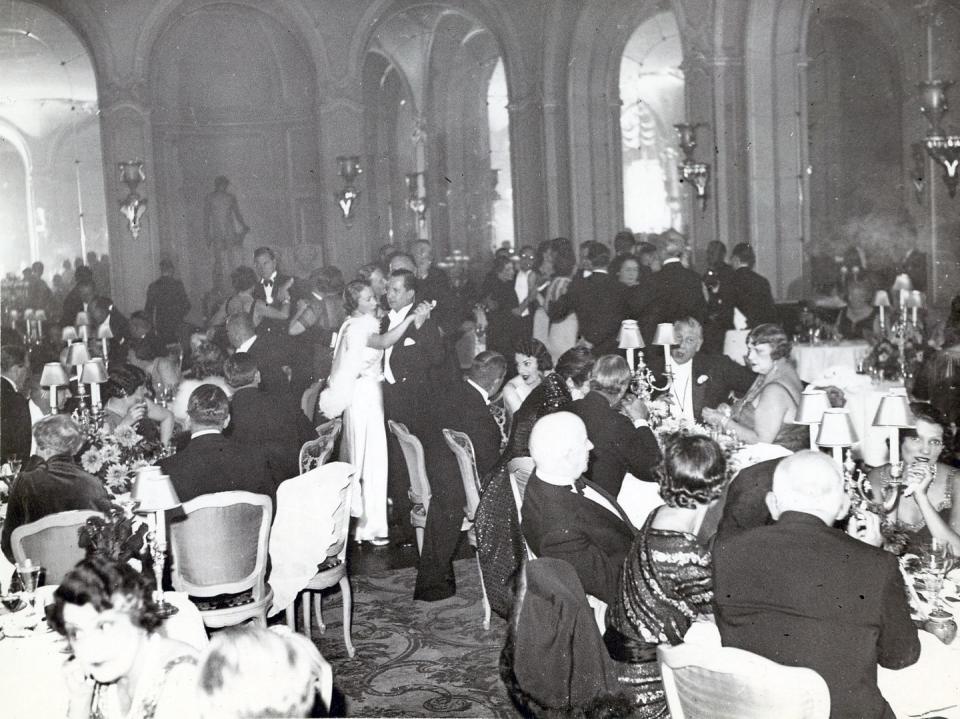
{"type": "Point", "coordinates": [354, 391]}
{"type": "Point", "coordinates": [560, 336]}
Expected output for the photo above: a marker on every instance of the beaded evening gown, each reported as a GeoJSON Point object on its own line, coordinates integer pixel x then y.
{"type": "Point", "coordinates": [666, 582]}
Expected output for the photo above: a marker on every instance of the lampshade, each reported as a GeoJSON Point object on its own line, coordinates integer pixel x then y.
{"type": "Point", "coordinates": [28, 315]}
{"type": "Point", "coordinates": [894, 411]}
{"type": "Point", "coordinates": [82, 319]}
{"type": "Point", "coordinates": [53, 374]}
{"type": "Point", "coordinates": [813, 403]}
{"type": "Point", "coordinates": [69, 334]}
{"type": "Point", "coordinates": [836, 428]}
{"type": "Point", "coordinates": [153, 491]}
{"type": "Point", "coordinates": [664, 335]}
{"type": "Point", "coordinates": [630, 337]}
{"type": "Point", "coordinates": [915, 299]}
{"type": "Point", "coordinates": [903, 282]}
{"type": "Point", "coordinates": [40, 315]}
{"type": "Point", "coordinates": [881, 299]}
{"type": "Point", "coordinates": [77, 354]}
{"type": "Point", "coordinates": [94, 372]}
{"type": "Point", "coordinates": [104, 332]}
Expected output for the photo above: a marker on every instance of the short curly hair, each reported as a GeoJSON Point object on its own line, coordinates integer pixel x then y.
{"type": "Point", "coordinates": [535, 348]}
{"type": "Point", "coordinates": [773, 335]}
{"type": "Point", "coordinates": [123, 380]}
{"type": "Point", "coordinates": [576, 364]}
{"type": "Point", "coordinates": [610, 375]}
{"type": "Point", "coordinates": [928, 413]}
{"type": "Point", "coordinates": [693, 471]}
{"type": "Point", "coordinates": [351, 295]}
{"type": "Point", "coordinates": [98, 582]}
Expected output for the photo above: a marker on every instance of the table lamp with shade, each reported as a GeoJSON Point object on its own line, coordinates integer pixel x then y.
{"type": "Point", "coordinates": [105, 334]}
{"type": "Point", "coordinates": [69, 335]}
{"type": "Point", "coordinates": [94, 373]}
{"type": "Point", "coordinates": [836, 432]}
{"type": "Point", "coordinates": [665, 336]}
{"type": "Point", "coordinates": [83, 325]}
{"type": "Point", "coordinates": [77, 356]}
{"type": "Point", "coordinates": [813, 403]}
{"type": "Point", "coordinates": [630, 340]}
{"type": "Point", "coordinates": [881, 300]}
{"type": "Point", "coordinates": [894, 413]}
{"type": "Point", "coordinates": [54, 377]}
{"type": "Point", "coordinates": [154, 494]}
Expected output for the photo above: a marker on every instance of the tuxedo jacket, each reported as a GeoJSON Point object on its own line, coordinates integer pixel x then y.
{"type": "Point", "coordinates": [561, 523]}
{"type": "Point", "coordinates": [675, 292]}
{"type": "Point", "coordinates": [417, 359]}
{"type": "Point", "coordinates": [272, 326]}
{"type": "Point", "coordinates": [750, 293]}
{"type": "Point", "coordinates": [271, 352]}
{"type": "Point", "coordinates": [618, 446]}
{"type": "Point", "coordinates": [213, 463]}
{"type": "Point", "coordinates": [804, 594]}
{"type": "Point", "coordinates": [720, 376]}
{"type": "Point", "coordinates": [273, 420]}
{"type": "Point", "coordinates": [15, 425]}
{"type": "Point", "coordinates": [598, 302]}
{"type": "Point", "coordinates": [167, 304]}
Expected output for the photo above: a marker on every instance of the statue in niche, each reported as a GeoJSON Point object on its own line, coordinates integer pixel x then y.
{"type": "Point", "coordinates": [224, 230]}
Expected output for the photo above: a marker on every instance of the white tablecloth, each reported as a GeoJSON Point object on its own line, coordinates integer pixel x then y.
{"type": "Point", "coordinates": [813, 360]}
{"type": "Point", "coordinates": [31, 681]}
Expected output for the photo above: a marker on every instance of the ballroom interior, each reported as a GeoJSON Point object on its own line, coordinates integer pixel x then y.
{"type": "Point", "coordinates": [343, 125]}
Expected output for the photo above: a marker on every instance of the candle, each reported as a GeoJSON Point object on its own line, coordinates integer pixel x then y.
{"type": "Point", "coordinates": [83, 332]}
{"type": "Point", "coordinates": [913, 315]}
{"type": "Point", "coordinates": [95, 394]}
{"type": "Point", "coordinates": [838, 455]}
{"type": "Point", "coordinates": [630, 359]}
{"type": "Point", "coordinates": [894, 446]}
{"type": "Point", "coordinates": [882, 322]}
{"type": "Point", "coordinates": [103, 342]}
{"type": "Point", "coordinates": [814, 429]}
{"type": "Point", "coordinates": [54, 401]}
{"type": "Point", "coordinates": [161, 526]}
{"type": "Point", "coordinates": [666, 357]}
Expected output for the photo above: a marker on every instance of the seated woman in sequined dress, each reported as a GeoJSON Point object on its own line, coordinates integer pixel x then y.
{"type": "Point", "coordinates": [930, 509]}
{"type": "Point", "coordinates": [666, 581]}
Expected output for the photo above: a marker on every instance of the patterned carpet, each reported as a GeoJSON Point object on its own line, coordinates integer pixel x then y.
{"type": "Point", "coordinates": [416, 659]}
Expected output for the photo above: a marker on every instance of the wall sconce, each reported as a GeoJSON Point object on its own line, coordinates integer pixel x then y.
{"type": "Point", "coordinates": [348, 167]}
{"type": "Point", "coordinates": [692, 171]}
{"type": "Point", "coordinates": [133, 205]}
{"type": "Point", "coordinates": [417, 195]}
{"type": "Point", "coordinates": [943, 148]}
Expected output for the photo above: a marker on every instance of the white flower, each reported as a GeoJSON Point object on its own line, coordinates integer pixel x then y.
{"type": "Point", "coordinates": [109, 454]}
{"type": "Point", "coordinates": [116, 478]}
{"type": "Point", "coordinates": [91, 460]}
{"type": "Point", "coordinates": [702, 378]}
{"type": "Point", "coordinates": [126, 436]}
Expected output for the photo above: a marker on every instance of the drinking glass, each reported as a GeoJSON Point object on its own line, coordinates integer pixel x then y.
{"type": "Point", "coordinates": [937, 561]}
{"type": "Point", "coordinates": [11, 600]}
{"type": "Point", "coordinates": [29, 574]}
{"type": "Point", "coordinates": [14, 463]}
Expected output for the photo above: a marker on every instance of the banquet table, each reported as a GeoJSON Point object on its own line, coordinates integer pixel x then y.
{"type": "Point", "coordinates": [31, 680]}
{"type": "Point", "coordinates": [813, 360]}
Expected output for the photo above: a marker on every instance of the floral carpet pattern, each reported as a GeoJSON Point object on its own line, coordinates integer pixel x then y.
{"type": "Point", "coordinates": [417, 659]}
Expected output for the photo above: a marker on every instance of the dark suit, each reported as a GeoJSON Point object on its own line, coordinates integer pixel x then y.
{"type": "Point", "coordinates": [436, 287]}
{"type": "Point", "coordinates": [804, 594]}
{"type": "Point", "coordinates": [271, 355]}
{"type": "Point", "coordinates": [15, 425]}
{"type": "Point", "coordinates": [461, 408]}
{"type": "Point", "coordinates": [267, 325]}
{"type": "Point", "coordinates": [618, 446]}
{"type": "Point", "coordinates": [675, 292]}
{"type": "Point", "coordinates": [166, 306]}
{"type": "Point", "coordinates": [72, 306]}
{"type": "Point", "coordinates": [120, 343]}
{"type": "Point", "coordinates": [213, 463]}
{"type": "Point", "coordinates": [558, 522]}
{"type": "Point", "coordinates": [418, 362]}
{"type": "Point", "coordinates": [723, 376]}
{"type": "Point", "coordinates": [743, 503]}
{"type": "Point", "coordinates": [273, 421]}
{"type": "Point", "coordinates": [598, 302]}
{"type": "Point", "coordinates": [750, 293]}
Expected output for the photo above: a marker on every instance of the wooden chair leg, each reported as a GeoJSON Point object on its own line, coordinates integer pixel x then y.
{"type": "Point", "coordinates": [347, 614]}
{"type": "Point", "coordinates": [305, 610]}
{"type": "Point", "coordinates": [318, 608]}
{"type": "Point", "coordinates": [483, 593]}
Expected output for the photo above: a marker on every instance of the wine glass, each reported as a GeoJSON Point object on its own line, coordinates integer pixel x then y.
{"type": "Point", "coordinates": [11, 600]}
{"type": "Point", "coordinates": [937, 560]}
{"type": "Point", "coordinates": [14, 462]}
{"type": "Point", "coordinates": [29, 574]}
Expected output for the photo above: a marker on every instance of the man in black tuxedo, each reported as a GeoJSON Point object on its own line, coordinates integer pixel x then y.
{"type": "Point", "coordinates": [463, 407]}
{"type": "Point", "coordinates": [433, 284]}
{"type": "Point", "coordinates": [104, 315]}
{"type": "Point", "coordinates": [674, 291]}
{"type": "Point", "coordinates": [804, 594]}
{"type": "Point", "coordinates": [743, 505]}
{"type": "Point", "coordinates": [699, 380]}
{"type": "Point", "coordinates": [271, 420]}
{"type": "Point", "coordinates": [597, 300]}
{"type": "Point", "coordinates": [750, 292]}
{"type": "Point", "coordinates": [15, 426]}
{"type": "Point", "coordinates": [274, 290]}
{"type": "Point", "coordinates": [621, 444]}
{"type": "Point", "coordinates": [415, 373]}
{"type": "Point", "coordinates": [211, 462]}
{"type": "Point", "coordinates": [167, 304]}
{"type": "Point", "coordinates": [79, 298]}
{"type": "Point", "coordinates": [569, 518]}
{"type": "Point", "coordinates": [267, 349]}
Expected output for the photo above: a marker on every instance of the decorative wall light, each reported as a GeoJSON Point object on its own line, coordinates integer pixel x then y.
{"type": "Point", "coordinates": [417, 196]}
{"type": "Point", "coordinates": [943, 147]}
{"type": "Point", "coordinates": [133, 205]}
{"type": "Point", "coordinates": [692, 171]}
{"type": "Point", "coordinates": [348, 167]}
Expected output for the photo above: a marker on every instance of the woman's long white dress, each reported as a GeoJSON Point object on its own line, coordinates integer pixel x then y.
{"type": "Point", "coordinates": [354, 389]}
{"type": "Point", "coordinates": [560, 336]}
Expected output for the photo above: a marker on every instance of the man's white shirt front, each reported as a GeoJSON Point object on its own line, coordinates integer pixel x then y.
{"type": "Point", "coordinates": [395, 317]}
{"type": "Point", "coordinates": [682, 388]}
{"type": "Point", "coordinates": [247, 344]}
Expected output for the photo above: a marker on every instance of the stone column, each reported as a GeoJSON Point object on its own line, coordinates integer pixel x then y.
{"type": "Point", "coordinates": [527, 169]}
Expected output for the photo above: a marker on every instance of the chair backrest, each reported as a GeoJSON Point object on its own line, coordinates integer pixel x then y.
{"type": "Point", "coordinates": [308, 400]}
{"type": "Point", "coordinates": [222, 545]}
{"type": "Point", "coordinates": [462, 448]}
{"type": "Point", "coordinates": [317, 451]}
{"type": "Point", "coordinates": [336, 510]}
{"type": "Point", "coordinates": [52, 542]}
{"type": "Point", "coordinates": [416, 466]}
{"type": "Point", "coordinates": [704, 682]}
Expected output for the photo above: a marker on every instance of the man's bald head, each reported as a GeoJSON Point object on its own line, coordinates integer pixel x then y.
{"type": "Point", "coordinates": [559, 446]}
{"type": "Point", "coordinates": [809, 482]}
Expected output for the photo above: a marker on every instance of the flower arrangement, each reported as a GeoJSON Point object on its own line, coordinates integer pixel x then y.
{"type": "Point", "coordinates": [897, 353]}
{"type": "Point", "coordinates": [118, 535]}
{"type": "Point", "coordinates": [115, 455]}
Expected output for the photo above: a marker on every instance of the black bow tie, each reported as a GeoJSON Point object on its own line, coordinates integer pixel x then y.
{"type": "Point", "coordinates": [268, 283]}
{"type": "Point", "coordinates": [580, 484]}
